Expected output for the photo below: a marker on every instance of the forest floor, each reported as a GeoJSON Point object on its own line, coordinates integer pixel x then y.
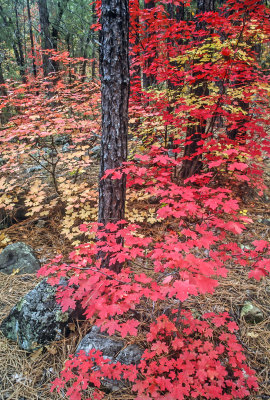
{"type": "Point", "coordinates": [27, 376]}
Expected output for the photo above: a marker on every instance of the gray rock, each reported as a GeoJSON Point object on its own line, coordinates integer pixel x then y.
{"type": "Point", "coordinates": [100, 341]}
{"type": "Point", "coordinates": [251, 313]}
{"type": "Point", "coordinates": [112, 349]}
{"type": "Point", "coordinates": [51, 152]}
{"type": "Point", "coordinates": [61, 139]}
{"type": "Point", "coordinates": [37, 319]}
{"type": "Point", "coordinates": [131, 354]}
{"type": "Point", "coordinates": [65, 148]}
{"type": "Point", "coordinates": [18, 256]}
{"type": "Point", "coordinates": [35, 168]}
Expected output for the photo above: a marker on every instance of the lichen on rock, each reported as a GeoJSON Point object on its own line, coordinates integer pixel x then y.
{"type": "Point", "coordinates": [37, 319]}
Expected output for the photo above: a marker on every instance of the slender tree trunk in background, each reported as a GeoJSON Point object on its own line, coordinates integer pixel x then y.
{"type": "Point", "coordinates": [176, 13]}
{"type": "Point", "coordinates": [3, 91]}
{"type": "Point", "coordinates": [137, 69]}
{"type": "Point", "coordinates": [20, 55]}
{"type": "Point", "coordinates": [114, 70]}
{"type": "Point", "coordinates": [4, 114]}
{"type": "Point", "coordinates": [24, 35]}
{"type": "Point", "coordinates": [31, 38]}
{"type": "Point", "coordinates": [84, 55]}
{"type": "Point", "coordinates": [90, 38]}
{"type": "Point", "coordinates": [244, 106]}
{"type": "Point", "coordinates": [93, 69]}
{"type": "Point", "coordinates": [8, 23]}
{"type": "Point", "coordinates": [192, 161]}
{"type": "Point", "coordinates": [46, 38]}
{"type": "Point", "coordinates": [61, 6]}
{"type": "Point", "coordinates": [93, 56]}
{"type": "Point", "coordinates": [149, 80]}
{"type": "Point", "coordinates": [205, 5]}
{"type": "Point", "coordinates": [69, 64]}
{"type": "Point", "coordinates": [239, 131]}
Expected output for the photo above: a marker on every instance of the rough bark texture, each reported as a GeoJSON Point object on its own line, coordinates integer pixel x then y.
{"type": "Point", "coordinates": [114, 69]}
{"type": "Point", "coordinates": [31, 38]}
{"type": "Point", "coordinates": [46, 38]}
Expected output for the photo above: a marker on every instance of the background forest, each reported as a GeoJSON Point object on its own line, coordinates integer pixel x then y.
{"type": "Point", "coordinates": [166, 242]}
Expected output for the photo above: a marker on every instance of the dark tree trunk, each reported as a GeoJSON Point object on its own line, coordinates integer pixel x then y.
{"type": "Point", "coordinates": [31, 39]}
{"type": "Point", "coordinates": [3, 90]}
{"type": "Point", "coordinates": [176, 13]}
{"type": "Point", "coordinates": [93, 56]}
{"type": "Point", "coordinates": [69, 64]}
{"type": "Point", "coordinates": [148, 79]}
{"type": "Point", "coordinates": [84, 55]}
{"type": "Point", "coordinates": [136, 77]}
{"type": "Point", "coordinates": [114, 70]}
{"type": "Point", "coordinates": [192, 160]}
{"type": "Point", "coordinates": [46, 38]}
{"type": "Point", "coordinates": [205, 5]}
{"type": "Point", "coordinates": [8, 23]}
{"type": "Point", "coordinates": [20, 55]}
{"type": "Point", "coordinates": [238, 133]}
{"type": "Point", "coordinates": [61, 6]}
{"type": "Point", "coordinates": [93, 73]}
{"type": "Point", "coordinates": [90, 38]}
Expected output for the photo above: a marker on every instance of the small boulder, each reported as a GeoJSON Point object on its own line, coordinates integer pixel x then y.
{"type": "Point", "coordinates": [37, 319]}
{"type": "Point", "coordinates": [251, 313]}
{"type": "Point", "coordinates": [62, 139]}
{"type": "Point", "coordinates": [113, 349]}
{"type": "Point", "coordinates": [131, 354]}
{"type": "Point", "coordinates": [18, 256]}
{"type": "Point", "coordinates": [100, 341]}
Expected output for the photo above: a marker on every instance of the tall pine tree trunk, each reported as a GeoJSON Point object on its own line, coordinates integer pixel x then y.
{"type": "Point", "coordinates": [20, 56]}
{"type": "Point", "coordinates": [47, 43]}
{"type": "Point", "coordinates": [61, 7]}
{"type": "Point", "coordinates": [114, 70]}
{"type": "Point", "coordinates": [31, 38]}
